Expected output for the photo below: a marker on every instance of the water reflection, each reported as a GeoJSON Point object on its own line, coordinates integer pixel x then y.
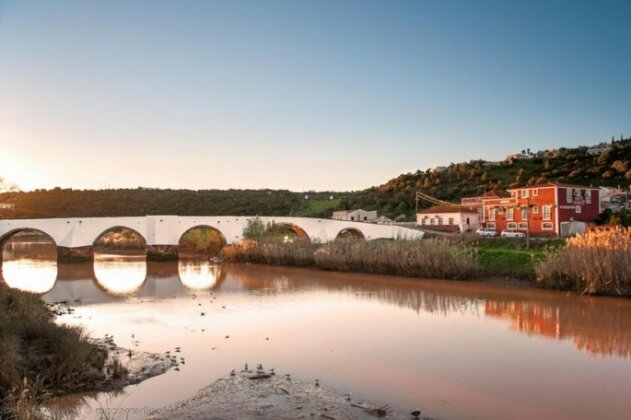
{"type": "Point", "coordinates": [199, 275]}
{"type": "Point", "coordinates": [30, 262]}
{"type": "Point", "coordinates": [120, 275]}
{"type": "Point", "coordinates": [30, 275]}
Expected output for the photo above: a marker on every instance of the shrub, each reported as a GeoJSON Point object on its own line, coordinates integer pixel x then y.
{"type": "Point", "coordinates": [597, 262]}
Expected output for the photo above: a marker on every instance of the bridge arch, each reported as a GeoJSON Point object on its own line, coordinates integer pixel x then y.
{"type": "Point", "coordinates": [350, 233]}
{"type": "Point", "coordinates": [118, 238]}
{"type": "Point", "coordinates": [37, 273]}
{"type": "Point", "coordinates": [201, 240]}
{"type": "Point", "coordinates": [285, 228]}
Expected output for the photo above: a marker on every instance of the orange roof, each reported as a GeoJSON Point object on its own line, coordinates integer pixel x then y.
{"type": "Point", "coordinates": [444, 208]}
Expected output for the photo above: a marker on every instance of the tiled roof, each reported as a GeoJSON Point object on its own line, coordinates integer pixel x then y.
{"type": "Point", "coordinates": [444, 208]}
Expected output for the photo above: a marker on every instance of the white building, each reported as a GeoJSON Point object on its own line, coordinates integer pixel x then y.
{"type": "Point", "coordinates": [358, 215]}
{"type": "Point", "coordinates": [449, 218]}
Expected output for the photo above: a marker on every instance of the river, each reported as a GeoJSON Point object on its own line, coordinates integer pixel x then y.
{"type": "Point", "coordinates": [457, 350]}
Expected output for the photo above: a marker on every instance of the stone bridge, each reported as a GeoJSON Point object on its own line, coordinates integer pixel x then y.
{"type": "Point", "coordinates": [75, 237]}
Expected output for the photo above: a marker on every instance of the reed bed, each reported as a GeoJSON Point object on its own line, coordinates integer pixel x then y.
{"type": "Point", "coordinates": [598, 262]}
{"type": "Point", "coordinates": [429, 258]}
{"type": "Point", "coordinates": [39, 358]}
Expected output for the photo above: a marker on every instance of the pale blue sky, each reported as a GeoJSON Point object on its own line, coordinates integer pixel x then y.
{"type": "Point", "coordinates": [299, 95]}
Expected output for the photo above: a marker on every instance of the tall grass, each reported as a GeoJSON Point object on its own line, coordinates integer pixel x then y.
{"type": "Point", "coordinates": [430, 258]}
{"type": "Point", "coordinates": [39, 358]}
{"type": "Point", "coordinates": [596, 262]}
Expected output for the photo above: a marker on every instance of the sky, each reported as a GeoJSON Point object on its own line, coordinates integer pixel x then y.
{"type": "Point", "coordinates": [299, 95]}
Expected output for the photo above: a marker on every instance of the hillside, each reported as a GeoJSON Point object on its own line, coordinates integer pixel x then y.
{"type": "Point", "coordinates": [394, 199]}
{"type": "Point", "coordinates": [573, 165]}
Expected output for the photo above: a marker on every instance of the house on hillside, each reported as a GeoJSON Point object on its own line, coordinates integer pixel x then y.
{"type": "Point", "coordinates": [516, 156]}
{"type": "Point", "coordinates": [597, 149]}
{"type": "Point", "coordinates": [448, 218]}
{"type": "Point", "coordinates": [358, 215]}
{"type": "Point", "coordinates": [550, 209]}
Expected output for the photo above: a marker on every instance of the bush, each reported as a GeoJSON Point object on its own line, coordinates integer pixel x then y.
{"type": "Point", "coordinates": [597, 262]}
{"type": "Point", "coordinates": [39, 358]}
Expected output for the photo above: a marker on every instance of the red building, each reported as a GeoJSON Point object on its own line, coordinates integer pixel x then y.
{"type": "Point", "coordinates": [544, 210]}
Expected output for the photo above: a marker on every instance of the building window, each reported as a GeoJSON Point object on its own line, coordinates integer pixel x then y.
{"type": "Point", "coordinates": [511, 225]}
{"type": "Point", "coordinates": [523, 225]}
{"type": "Point", "coordinates": [492, 214]}
{"type": "Point", "coordinates": [547, 226]}
{"type": "Point", "coordinates": [490, 225]}
{"type": "Point", "coordinates": [546, 212]}
{"type": "Point", "coordinates": [424, 220]}
{"type": "Point", "coordinates": [500, 210]}
{"type": "Point", "coordinates": [451, 220]}
{"type": "Point", "coordinates": [440, 220]}
{"type": "Point", "coordinates": [509, 213]}
{"type": "Point", "coordinates": [524, 214]}
{"type": "Point", "coordinates": [535, 192]}
{"type": "Point", "coordinates": [588, 196]}
{"type": "Point", "coordinates": [568, 195]}
{"type": "Point", "coordinates": [431, 221]}
{"type": "Point", "coordinates": [365, 218]}
{"type": "Point", "coordinates": [524, 193]}
{"type": "Point", "coordinates": [535, 209]}
{"type": "Point", "coordinates": [352, 218]}
{"type": "Point", "coordinates": [513, 194]}
{"type": "Point", "coordinates": [578, 209]}
{"type": "Point", "coordinates": [480, 214]}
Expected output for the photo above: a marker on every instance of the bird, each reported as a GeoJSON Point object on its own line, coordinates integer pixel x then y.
{"type": "Point", "coordinates": [267, 338]}
{"type": "Point", "coordinates": [317, 383]}
{"type": "Point", "coordinates": [203, 313]}
{"type": "Point", "coordinates": [288, 376]}
{"type": "Point", "coordinates": [416, 413]}
{"type": "Point", "coordinates": [246, 368]}
{"type": "Point", "coordinates": [272, 371]}
{"type": "Point", "coordinates": [348, 396]}
{"type": "Point", "coordinates": [232, 372]}
{"type": "Point", "coordinates": [227, 336]}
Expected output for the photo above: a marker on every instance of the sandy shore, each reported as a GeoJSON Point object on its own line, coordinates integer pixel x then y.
{"type": "Point", "coordinates": [260, 395]}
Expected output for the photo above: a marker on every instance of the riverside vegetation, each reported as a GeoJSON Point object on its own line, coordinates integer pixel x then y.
{"type": "Point", "coordinates": [598, 262]}
{"type": "Point", "coordinates": [40, 359]}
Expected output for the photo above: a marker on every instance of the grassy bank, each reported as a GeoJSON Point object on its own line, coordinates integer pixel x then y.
{"type": "Point", "coordinates": [430, 258]}
{"type": "Point", "coordinates": [511, 257]}
{"type": "Point", "coordinates": [40, 359]}
{"type": "Point", "coordinates": [598, 262]}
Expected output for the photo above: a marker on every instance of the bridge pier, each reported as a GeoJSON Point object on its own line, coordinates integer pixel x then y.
{"type": "Point", "coordinates": [162, 252]}
{"type": "Point", "coordinates": [80, 253]}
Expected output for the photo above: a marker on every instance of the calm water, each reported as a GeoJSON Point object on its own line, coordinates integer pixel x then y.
{"type": "Point", "coordinates": [462, 350]}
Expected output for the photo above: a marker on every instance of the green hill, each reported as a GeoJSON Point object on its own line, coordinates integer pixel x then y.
{"type": "Point", "coordinates": [394, 199]}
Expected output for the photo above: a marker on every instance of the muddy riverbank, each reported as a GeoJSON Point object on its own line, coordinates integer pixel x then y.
{"type": "Point", "coordinates": [261, 394]}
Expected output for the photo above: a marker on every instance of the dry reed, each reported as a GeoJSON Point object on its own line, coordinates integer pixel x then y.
{"type": "Point", "coordinates": [596, 262]}
{"type": "Point", "coordinates": [430, 258]}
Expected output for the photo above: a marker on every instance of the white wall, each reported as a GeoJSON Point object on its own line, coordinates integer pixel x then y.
{"type": "Point", "coordinates": [460, 220]}
{"type": "Point", "coordinates": [167, 230]}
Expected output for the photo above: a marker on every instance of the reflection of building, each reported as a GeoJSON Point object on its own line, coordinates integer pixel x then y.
{"type": "Point", "coordinates": [449, 218]}
{"type": "Point", "coordinates": [546, 209]}
{"type": "Point", "coordinates": [358, 215]}
{"type": "Point", "coordinates": [530, 317]}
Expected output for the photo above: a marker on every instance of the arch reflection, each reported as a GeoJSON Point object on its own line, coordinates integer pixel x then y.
{"type": "Point", "coordinates": [35, 276]}
{"type": "Point", "coordinates": [29, 260]}
{"type": "Point", "coordinates": [119, 275]}
{"type": "Point", "coordinates": [199, 275]}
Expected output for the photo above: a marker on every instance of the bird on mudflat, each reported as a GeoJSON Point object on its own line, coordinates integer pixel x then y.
{"type": "Point", "coordinates": [416, 413]}
{"type": "Point", "coordinates": [317, 382]}
{"type": "Point", "coordinates": [348, 396]}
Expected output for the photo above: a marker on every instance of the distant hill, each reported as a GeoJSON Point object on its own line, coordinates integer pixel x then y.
{"type": "Point", "coordinates": [605, 164]}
